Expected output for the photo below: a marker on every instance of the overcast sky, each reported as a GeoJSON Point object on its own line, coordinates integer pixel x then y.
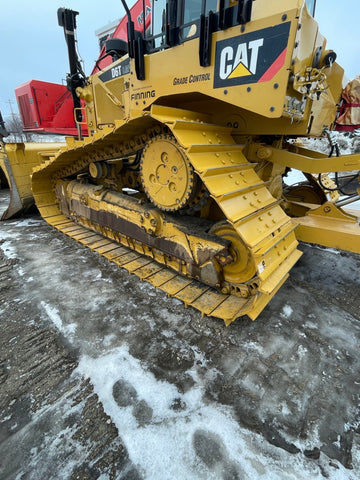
{"type": "Point", "coordinates": [33, 45]}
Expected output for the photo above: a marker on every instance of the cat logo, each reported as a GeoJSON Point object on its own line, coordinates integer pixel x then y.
{"type": "Point", "coordinates": [244, 62]}
{"type": "Point", "coordinates": [251, 58]}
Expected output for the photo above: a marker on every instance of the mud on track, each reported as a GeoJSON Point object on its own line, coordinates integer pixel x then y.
{"type": "Point", "coordinates": [102, 376]}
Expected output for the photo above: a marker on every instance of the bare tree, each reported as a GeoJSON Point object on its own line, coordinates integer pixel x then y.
{"type": "Point", "coordinates": [3, 131]}
{"type": "Point", "coordinates": [15, 127]}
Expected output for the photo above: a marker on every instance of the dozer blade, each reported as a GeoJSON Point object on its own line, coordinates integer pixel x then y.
{"type": "Point", "coordinates": [17, 161]}
{"type": "Point", "coordinates": [330, 226]}
{"type": "Point", "coordinates": [15, 204]}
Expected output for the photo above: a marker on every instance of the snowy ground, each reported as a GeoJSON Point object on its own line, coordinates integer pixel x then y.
{"type": "Point", "coordinates": [136, 386]}
{"type": "Point", "coordinates": [348, 143]}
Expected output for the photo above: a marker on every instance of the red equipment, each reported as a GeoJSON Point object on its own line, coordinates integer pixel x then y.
{"type": "Point", "coordinates": [48, 107]}
{"type": "Point", "coordinates": [121, 30]}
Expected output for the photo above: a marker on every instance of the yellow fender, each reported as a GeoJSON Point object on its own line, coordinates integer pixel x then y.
{"type": "Point", "coordinates": [17, 161]}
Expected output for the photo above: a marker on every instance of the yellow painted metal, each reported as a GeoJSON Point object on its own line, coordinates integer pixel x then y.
{"type": "Point", "coordinates": [176, 285]}
{"type": "Point", "coordinates": [117, 252]}
{"type": "Point", "coordinates": [269, 242]}
{"type": "Point", "coordinates": [17, 160]}
{"type": "Point", "coordinates": [243, 267]}
{"type": "Point", "coordinates": [148, 219]}
{"type": "Point", "coordinates": [85, 237]}
{"type": "Point", "coordinates": [305, 160]}
{"type": "Point", "coordinates": [330, 226]}
{"type": "Point", "coordinates": [161, 277]}
{"type": "Point", "coordinates": [267, 106]}
{"type": "Point", "coordinates": [148, 270]}
{"type": "Point", "coordinates": [266, 224]}
{"type": "Point", "coordinates": [190, 293]}
{"type": "Point", "coordinates": [207, 132]}
{"type": "Point", "coordinates": [90, 239]}
{"type": "Point", "coordinates": [99, 244]}
{"type": "Point", "coordinates": [205, 299]}
{"type": "Point", "coordinates": [106, 248]}
{"type": "Point", "coordinates": [326, 225]}
{"type": "Point", "coordinates": [208, 302]}
{"type": "Point", "coordinates": [273, 283]}
{"type": "Point", "coordinates": [166, 174]}
{"type": "Point", "coordinates": [127, 258]}
{"type": "Point", "coordinates": [137, 263]}
{"type": "Point", "coordinates": [182, 63]}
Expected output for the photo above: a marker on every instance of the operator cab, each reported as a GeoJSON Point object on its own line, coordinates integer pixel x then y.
{"type": "Point", "coordinates": [164, 24]}
{"type": "Point", "coordinates": [187, 15]}
{"type": "Point", "coordinates": [174, 22]}
{"type": "Point", "coordinates": [311, 4]}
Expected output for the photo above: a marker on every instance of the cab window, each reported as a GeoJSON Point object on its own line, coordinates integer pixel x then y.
{"type": "Point", "coordinates": [192, 9]}
{"type": "Point", "coordinates": [158, 12]}
{"type": "Point", "coordinates": [311, 6]}
{"type": "Point", "coordinates": [191, 15]}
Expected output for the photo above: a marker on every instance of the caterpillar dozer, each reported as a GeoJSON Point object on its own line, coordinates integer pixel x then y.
{"type": "Point", "coordinates": [192, 129]}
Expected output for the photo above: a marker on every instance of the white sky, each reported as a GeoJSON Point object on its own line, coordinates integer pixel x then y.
{"type": "Point", "coordinates": [33, 45]}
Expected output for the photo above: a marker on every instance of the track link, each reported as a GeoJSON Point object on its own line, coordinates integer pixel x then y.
{"type": "Point", "coordinates": [192, 293]}
{"type": "Point", "coordinates": [221, 164]}
{"type": "Point", "coordinates": [243, 197]}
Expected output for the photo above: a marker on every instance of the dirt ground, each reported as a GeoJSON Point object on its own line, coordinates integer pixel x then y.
{"type": "Point", "coordinates": [104, 377]}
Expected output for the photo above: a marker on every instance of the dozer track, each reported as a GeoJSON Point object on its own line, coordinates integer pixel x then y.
{"type": "Point", "coordinates": [253, 213]}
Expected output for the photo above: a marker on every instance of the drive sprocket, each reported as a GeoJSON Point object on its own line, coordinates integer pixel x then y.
{"type": "Point", "coordinates": [167, 176]}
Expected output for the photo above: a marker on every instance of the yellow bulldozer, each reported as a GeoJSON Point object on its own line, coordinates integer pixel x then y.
{"type": "Point", "coordinates": [192, 126]}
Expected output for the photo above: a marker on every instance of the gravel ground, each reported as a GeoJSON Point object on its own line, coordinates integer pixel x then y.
{"type": "Point", "coordinates": [103, 377]}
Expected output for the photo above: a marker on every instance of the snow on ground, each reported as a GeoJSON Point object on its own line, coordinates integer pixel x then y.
{"type": "Point", "coordinates": [155, 382]}
{"type": "Point", "coordinates": [167, 444]}
{"type": "Point", "coordinates": [160, 386]}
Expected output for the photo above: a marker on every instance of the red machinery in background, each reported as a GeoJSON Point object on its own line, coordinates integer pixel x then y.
{"type": "Point", "coordinates": [48, 107]}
